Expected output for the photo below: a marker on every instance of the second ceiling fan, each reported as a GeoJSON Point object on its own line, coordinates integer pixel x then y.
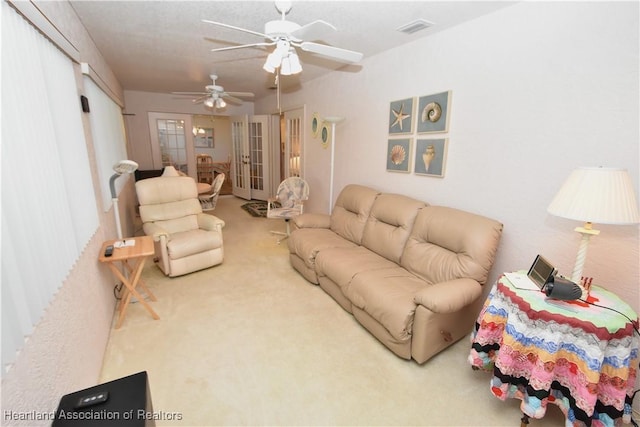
{"type": "Point", "coordinates": [286, 36]}
{"type": "Point", "coordinates": [215, 95]}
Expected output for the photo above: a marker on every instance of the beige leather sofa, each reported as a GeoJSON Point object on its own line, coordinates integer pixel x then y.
{"type": "Point", "coordinates": [185, 238]}
{"type": "Point", "coordinates": [410, 273]}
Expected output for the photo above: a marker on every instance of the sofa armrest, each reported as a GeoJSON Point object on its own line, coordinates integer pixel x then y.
{"type": "Point", "coordinates": [449, 296]}
{"type": "Point", "coordinates": [155, 231]}
{"type": "Point", "coordinates": [312, 220]}
{"type": "Point", "coordinates": [210, 222]}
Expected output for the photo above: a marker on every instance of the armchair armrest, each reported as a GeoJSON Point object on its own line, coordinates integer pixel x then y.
{"type": "Point", "coordinates": [210, 222]}
{"type": "Point", "coordinates": [312, 220]}
{"type": "Point", "coordinates": [449, 296]}
{"type": "Point", "coordinates": [155, 231]}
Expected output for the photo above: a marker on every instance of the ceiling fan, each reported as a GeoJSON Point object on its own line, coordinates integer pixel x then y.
{"type": "Point", "coordinates": [215, 95]}
{"type": "Point", "coordinates": [286, 36]}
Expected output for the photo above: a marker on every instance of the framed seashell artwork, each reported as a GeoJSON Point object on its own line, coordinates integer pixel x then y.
{"type": "Point", "coordinates": [433, 112]}
{"type": "Point", "coordinates": [401, 116]}
{"type": "Point", "coordinates": [316, 125]}
{"type": "Point", "coordinates": [431, 157]}
{"type": "Point", "coordinates": [325, 134]}
{"type": "Point", "coordinates": [399, 155]}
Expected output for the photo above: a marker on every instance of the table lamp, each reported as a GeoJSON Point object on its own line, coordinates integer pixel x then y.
{"type": "Point", "coordinates": [122, 167]}
{"type": "Point", "coordinates": [595, 195]}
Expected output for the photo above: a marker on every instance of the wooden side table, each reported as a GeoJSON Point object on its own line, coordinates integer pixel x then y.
{"type": "Point", "coordinates": [581, 357]}
{"type": "Point", "coordinates": [128, 255]}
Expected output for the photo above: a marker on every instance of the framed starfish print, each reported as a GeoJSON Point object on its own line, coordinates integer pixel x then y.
{"type": "Point", "coordinates": [401, 117]}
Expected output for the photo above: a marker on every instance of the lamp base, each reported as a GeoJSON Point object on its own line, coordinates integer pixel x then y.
{"type": "Point", "coordinates": [581, 257]}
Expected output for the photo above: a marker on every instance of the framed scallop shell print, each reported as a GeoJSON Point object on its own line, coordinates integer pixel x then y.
{"type": "Point", "coordinates": [433, 112]}
{"type": "Point", "coordinates": [399, 155]}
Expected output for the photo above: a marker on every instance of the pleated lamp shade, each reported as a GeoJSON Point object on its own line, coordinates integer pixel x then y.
{"type": "Point", "coordinates": [597, 195]}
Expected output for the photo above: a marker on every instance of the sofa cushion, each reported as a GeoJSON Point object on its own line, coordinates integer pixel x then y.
{"type": "Point", "coordinates": [389, 224]}
{"type": "Point", "coordinates": [351, 211]}
{"type": "Point", "coordinates": [192, 242]}
{"type": "Point", "coordinates": [342, 264]}
{"type": "Point", "coordinates": [448, 243]}
{"type": "Point", "coordinates": [387, 295]}
{"type": "Point", "coordinates": [307, 242]}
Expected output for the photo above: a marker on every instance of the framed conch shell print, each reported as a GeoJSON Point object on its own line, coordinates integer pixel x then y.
{"type": "Point", "coordinates": [433, 112]}
{"type": "Point", "coordinates": [399, 155]}
{"type": "Point", "coordinates": [431, 157]}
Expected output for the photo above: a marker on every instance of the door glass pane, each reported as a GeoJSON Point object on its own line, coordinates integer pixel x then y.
{"type": "Point", "coordinates": [238, 136]}
{"type": "Point", "coordinates": [173, 147]}
{"type": "Point", "coordinates": [294, 152]}
{"type": "Point", "coordinates": [256, 148]}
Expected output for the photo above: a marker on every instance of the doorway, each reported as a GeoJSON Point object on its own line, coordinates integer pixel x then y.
{"type": "Point", "coordinates": [250, 165]}
{"type": "Point", "coordinates": [171, 143]}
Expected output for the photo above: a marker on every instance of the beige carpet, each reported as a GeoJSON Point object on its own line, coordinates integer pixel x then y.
{"type": "Point", "coordinates": [250, 342]}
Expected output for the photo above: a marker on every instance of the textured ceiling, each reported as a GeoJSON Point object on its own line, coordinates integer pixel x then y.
{"type": "Point", "coordinates": [163, 46]}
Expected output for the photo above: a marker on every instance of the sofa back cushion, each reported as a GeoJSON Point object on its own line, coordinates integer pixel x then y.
{"type": "Point", "coordinates": [171, 202]}
{"type": "Point", "coordinates": [448, 243]}
{"type": "Point", "coordinates": [389, 225]}
{"type": "Point", "coordinates": [351, 211]}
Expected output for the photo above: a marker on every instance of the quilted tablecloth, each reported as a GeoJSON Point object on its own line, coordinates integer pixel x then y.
{"type": "Point", "coordinates": [581, 357]}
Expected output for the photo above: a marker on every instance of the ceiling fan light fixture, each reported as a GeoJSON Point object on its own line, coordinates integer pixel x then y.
{"type": "Point", "coordinates": [220, 103]}
{"type": "Point", "coordinates": [290, 65]}
{"type": "Point", "coordinates": [209, 102]}
{"type": "Point", "coordinates": [294, 63]}
{"type": "Point", "coordinates": [273, 61]}
{"type": "Point", "coordinates": [285, 67]}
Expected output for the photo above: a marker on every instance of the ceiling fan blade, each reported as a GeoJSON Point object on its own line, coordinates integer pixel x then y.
{"type": "Point", "coordinates": [201, 98]}
{"type": "Point", "coordinates": [241, 94]}
{"type": "Point", "coordinates": [313, 31]}
{"type": "Point", "coordinates": [221, 49]}
{"type": "Point", "coordinates": [233, 99]}
{"type": "Point", "coordinates": [189, 93]}
{"type": "Point", "coordinates": [333, 52]}
{"type": "Point", "coordinates": [237, 28]}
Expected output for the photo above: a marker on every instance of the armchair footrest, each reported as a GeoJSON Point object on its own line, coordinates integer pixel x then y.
{"type": "Point", "coordinates": [193, 242]}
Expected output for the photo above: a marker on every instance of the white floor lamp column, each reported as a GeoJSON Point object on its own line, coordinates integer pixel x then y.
{"type": "Point", "coordinates": [120, 168]}
{"type": "Point", "coordinates": [333, 120]}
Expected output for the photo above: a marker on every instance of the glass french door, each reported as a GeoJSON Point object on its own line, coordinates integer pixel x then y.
{"type": "Point", "coordinates": [250, 160]}
{"type": "Point", "coordinates": [293, 142]}
{"type": "Point", "coordinates": [172, 142]}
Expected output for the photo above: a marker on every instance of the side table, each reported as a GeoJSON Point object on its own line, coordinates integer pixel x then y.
{"type": "Point", "coordinates": [136, 254]}
{"type": "Point", "coordinates": [579, 356]}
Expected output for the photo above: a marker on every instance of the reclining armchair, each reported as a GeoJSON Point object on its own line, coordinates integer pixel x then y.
{"type": "Point", "coordinates": [186, 239]}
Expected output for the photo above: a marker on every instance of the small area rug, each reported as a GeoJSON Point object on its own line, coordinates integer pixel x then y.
{"type": "Point", "coordinates": [257, 208]}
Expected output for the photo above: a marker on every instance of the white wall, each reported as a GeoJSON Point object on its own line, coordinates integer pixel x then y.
{"type": "Point", "coordinates": [538, 89]}
{"type": "Point", "coordinates": [139, 104]}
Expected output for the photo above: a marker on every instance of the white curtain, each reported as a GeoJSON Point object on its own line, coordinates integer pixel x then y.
{"type": "Point", "coordinates": [48, 205]}
{"type": "Point", "coordinates": [107, 131]}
